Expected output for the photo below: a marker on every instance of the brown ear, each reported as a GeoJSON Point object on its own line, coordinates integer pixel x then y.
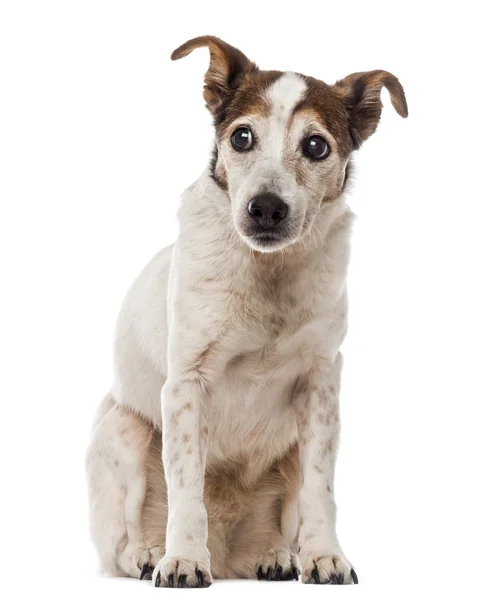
{"type": "Point", "coordinates": [227, 64]}
{"type": "Point", "coordinates": [360, 92]}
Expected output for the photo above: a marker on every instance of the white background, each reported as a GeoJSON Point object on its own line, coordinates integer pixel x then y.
{"type": "Point", "coordinates": [99, 135]}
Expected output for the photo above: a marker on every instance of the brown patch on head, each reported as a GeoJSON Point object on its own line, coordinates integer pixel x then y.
{"type": "Point", "coordinates": [248, 99]}
{"type": "Point", "coordinates": [320, 102]}
{"type": "Point", "coordinates": [350, 110]}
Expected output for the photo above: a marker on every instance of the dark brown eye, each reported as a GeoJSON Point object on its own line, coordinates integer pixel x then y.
{"type": "Point", "coordinates": [242, 139]}
{"type": "Point", "coordinates": [316, 148]}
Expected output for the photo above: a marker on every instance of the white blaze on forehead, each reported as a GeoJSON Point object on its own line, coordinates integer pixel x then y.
{"type": "Point", "coordinates": [285, 94]}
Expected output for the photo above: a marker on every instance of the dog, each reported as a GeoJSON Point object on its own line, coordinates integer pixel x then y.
{"type": "Point", "coordinates": [213, 454]}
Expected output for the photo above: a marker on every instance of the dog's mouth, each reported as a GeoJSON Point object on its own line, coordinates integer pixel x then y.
{"type": "Point", "coordinates": [267, 241]}
{"type": "Point", "coordinates": [267, 237]}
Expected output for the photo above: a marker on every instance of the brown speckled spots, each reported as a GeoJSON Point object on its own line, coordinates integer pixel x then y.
{"type": "Point", "coordinates": [186, 437]}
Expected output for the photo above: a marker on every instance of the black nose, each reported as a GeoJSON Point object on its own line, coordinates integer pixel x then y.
{"type": "Point", "coordinates": [267, 210]}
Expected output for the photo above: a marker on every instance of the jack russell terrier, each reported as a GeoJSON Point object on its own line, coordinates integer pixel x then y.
{"type": "Point", "coordinates": [213, 454]}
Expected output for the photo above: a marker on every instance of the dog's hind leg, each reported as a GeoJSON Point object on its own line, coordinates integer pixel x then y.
{"type": "Point", "coordinates": [116, 470]}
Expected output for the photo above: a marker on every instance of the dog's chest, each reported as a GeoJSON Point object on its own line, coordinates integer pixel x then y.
{"type": "Point", "coordinates": [251, 410]}
{"type": "Point", "coordinates": [271, 343]}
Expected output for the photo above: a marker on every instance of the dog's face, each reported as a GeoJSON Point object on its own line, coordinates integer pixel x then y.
{"type": "Point", "coordinates": [279, 157]}
{"type": "Point", "coordinates": [283, 140]}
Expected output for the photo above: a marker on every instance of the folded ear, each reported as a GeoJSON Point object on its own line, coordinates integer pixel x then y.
{"type": "Point", "coordinates": [361, 94]}
{"type": "Point", "coordinates": [227, 64]}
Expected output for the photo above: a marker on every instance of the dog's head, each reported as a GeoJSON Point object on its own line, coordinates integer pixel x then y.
{"type": "Point", "coordinates": [283, 140]}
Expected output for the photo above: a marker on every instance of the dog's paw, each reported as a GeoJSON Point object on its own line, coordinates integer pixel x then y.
{"type": "Point", "coordinates": [139, 561]}
{"type": "Point", "coordinates": [182, 573]}
{"type": "Point", "coordinates": [278, 565]}
{"type": "Point", "coordinates": [333, 569]}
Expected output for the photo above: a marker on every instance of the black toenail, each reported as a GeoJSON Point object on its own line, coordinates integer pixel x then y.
{"type": "Point", "coordinates": [200, 576]}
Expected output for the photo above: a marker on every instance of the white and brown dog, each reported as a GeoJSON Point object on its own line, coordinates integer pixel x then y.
{"type": "Point", "coordinates": [222, 425]}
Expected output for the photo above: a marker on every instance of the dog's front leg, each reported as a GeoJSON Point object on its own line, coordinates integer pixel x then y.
{"type": "Point", "coordinates": [187, 561]}
{"type": "Point", "coordinates": [318, 427]}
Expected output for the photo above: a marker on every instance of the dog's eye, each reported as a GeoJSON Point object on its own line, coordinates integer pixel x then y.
{"type": "Point", "coordinates": [242, 139]}
{"type": "Point", "coordinates": [316, 147]}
